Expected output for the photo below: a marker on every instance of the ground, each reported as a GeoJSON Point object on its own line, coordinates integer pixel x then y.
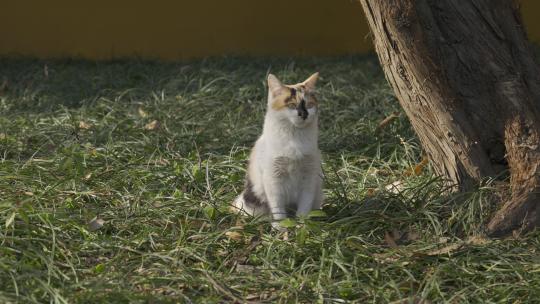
{"type": "Point", "coordinates": [115, 180]}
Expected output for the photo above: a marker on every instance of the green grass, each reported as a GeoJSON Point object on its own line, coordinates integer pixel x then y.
{"type": "Point", "coordinates": [158, 150]}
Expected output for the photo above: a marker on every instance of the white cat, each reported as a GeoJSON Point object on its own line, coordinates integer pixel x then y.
{"type": "Point", "coordinates": [284, 174]}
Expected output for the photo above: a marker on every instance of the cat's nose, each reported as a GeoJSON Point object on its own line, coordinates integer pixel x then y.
{"type": "Point", "coordinates": [302, 111]}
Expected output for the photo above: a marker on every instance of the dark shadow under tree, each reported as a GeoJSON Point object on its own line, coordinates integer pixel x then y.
{"type": "Point", "coordinates": [464, 73]}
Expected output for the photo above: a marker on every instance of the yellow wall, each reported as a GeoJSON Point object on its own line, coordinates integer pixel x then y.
{"type": "Point", "coordinates": [178, 29]}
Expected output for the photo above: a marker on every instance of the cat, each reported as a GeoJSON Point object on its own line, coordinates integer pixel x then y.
{"type": "Point", "coordinates": [284, 175]}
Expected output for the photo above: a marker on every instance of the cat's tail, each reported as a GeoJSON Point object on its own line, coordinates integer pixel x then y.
{"type": "Point", "coordinates": [240, 205]}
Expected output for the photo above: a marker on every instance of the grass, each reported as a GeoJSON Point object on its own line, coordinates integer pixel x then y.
{"type": "Point", "coordinates": [115, 180]}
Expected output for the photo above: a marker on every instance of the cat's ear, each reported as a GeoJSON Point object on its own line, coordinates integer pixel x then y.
{"type": "Point", "coordinates": [311, 81]}
{"type": "Point", "coordinates": [274, 85]}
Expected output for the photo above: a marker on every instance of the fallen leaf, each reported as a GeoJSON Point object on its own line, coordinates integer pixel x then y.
{"type": "Point", "coordinates": [3, 136]}
{"type": "Point", "coordinates": [477, 240]}
{"type": "Point", "coordinates": [395, 187]}
{"type": "Point", "coordinates": [390, 241]}
{"type": "Point", "coordinates": [419, 168]}
{"type": "Point", "coordinates": [252, 296]}
{"type": "Point", "coordinates": [95, 224]}
{"type": "Point", "coordinates": [153, 125]}
{"type": "Point", "coordinates": [196, 237]}
{"type": "Point", "coordinates": [443, 240]}
{"type": "Point", "coordinates": [142, 113]}
{"type": "Point", "coordinates": [29, 193]}
{"type": "Point", "coordinates": [445, 250]}
{"type": "Point", "coordinates": [46, 71]}
{"type": "Point", "coordinates": [387, 121]}
{"type": "Point", "coordinates": [371, 192]}
{"type": "Point", "coordinates": [84, 125]}
{"type": "Point", "coordinates": [234, 235]}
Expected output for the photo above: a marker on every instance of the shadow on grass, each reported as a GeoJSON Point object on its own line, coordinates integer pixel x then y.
{"type": "Point", "coordinates": [46, 85]}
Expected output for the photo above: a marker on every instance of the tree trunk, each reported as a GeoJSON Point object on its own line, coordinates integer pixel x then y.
{"type": "Point", "coordinates": [464, 73]}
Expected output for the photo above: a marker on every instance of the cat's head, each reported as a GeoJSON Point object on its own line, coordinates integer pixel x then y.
{"type": "Point", "coordinates": [294, 103]}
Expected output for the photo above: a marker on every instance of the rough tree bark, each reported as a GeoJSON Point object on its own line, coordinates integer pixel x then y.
{"type": "Point", "coordinates": [465, 75]}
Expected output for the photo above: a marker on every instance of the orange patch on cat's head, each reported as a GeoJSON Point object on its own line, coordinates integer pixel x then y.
{"type": "Point", "coordinates": [283, 96]}
{"type": "Point", "coordinates": [284, 99]}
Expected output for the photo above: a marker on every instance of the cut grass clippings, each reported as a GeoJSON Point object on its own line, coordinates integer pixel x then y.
{"type": "Point", "coordinates": [115, 180]}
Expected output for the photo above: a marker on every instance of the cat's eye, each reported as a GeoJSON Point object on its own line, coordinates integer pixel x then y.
{"type": "Point", "coordinates": [291, 106]}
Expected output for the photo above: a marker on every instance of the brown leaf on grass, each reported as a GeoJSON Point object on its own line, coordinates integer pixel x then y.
{"type": "Point", "coordinates": [253, 296]}
{"type": "Point", "coordinates": [3, 136]}
{"type": "Point", "coordinates": [387, 121]}
{"type": "Point", "coordinates": [84, 125]}
{"type": "Point", "coordinates": [445, 250]}
{"type": "Point", "coordinates": [153, 125]}
{"type": "Point", "coordinates": [390, 241]}
{"type": "Point", "coordinates": [46, 71]}
{"type": "Point", "coordinates": [477, 240]}
{"type": "Point", "coordinates": [443, 240]}
{"type": "Point", "coordinates": [371, 192]}
{"type": "Point", "coordinates": [419, 168]}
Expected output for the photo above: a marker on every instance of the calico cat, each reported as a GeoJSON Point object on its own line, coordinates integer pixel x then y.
{"type": "Point", "coordinates": [284, 176]}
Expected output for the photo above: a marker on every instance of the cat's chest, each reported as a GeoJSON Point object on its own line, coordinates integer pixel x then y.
{"type": "Point", "coordinates": [285, 166]}
{"type": "Point", "coordinates": [296, 150]}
